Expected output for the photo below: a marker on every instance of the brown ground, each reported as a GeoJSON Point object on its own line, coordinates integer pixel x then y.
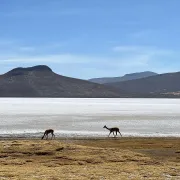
{"type": "Point", "coordinates": [110, 158]}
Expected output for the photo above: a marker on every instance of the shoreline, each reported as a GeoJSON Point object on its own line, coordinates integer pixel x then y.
{"type": "Point", "coordinates": [88, 135]}
{"type": "Point", "coordinates": [89, 138]}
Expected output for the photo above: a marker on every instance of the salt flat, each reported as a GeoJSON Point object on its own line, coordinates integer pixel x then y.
{"type": "Point", "coordinates": [74, 117]}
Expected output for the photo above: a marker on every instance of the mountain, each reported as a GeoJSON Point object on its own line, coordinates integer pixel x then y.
{"type": "Point", "coordinates": [41, 81]}
{"type": "Point", "coordinates": [123, 78]}
{"type": "Point", "coordinates": [162, 85]}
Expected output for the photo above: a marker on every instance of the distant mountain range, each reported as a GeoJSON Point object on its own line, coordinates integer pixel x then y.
{"type": "Point", "coordinates": [41, 81]}
{"type": "Point", "coordinates": [162, 85]}
{"type": "Point", "coordinates": [126, 77]}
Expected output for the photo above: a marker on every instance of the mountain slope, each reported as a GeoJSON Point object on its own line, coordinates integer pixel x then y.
{"type": "Point", "coordinates": [168, 83]}
{"type": "Point", "coordinates": [123, 78]}
{"type": "Point", "coordinates": [41, 81]}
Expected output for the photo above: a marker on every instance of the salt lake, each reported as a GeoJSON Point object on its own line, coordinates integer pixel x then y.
{"type": "Point", "coordinates": [85, 117]}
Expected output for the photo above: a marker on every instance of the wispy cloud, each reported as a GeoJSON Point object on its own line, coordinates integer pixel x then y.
{"type": "Point", "coordinates": [54, 58]}
{"type": "Point", "coordinates": [15, 47]}
{"type": "Point", "coordinates": [147, 57]}
{"type": "Point", "coordinates": [136, 61]}
{"type": "Point", "coordinates": [127, 48]}
{"type": "Point", "coordinates": [147, 50]}
{"type": "Point", "coordinates": [142, 34]}
{"type": "Point", "coordinates": [26, 49]}
{"type": "Point", "coordinates": [77, 59]}
{"type": "Point", "coordinates": [19, 46]}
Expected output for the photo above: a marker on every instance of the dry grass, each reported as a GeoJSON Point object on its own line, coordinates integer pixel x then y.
{"type": "Point", "coordinates": [126, 158]}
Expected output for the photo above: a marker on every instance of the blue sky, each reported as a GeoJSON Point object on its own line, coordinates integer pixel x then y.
{"type": "Point", "coordinates": [90, 38]}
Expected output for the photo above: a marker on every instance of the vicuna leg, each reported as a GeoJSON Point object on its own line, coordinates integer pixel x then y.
{"type": "Point", "coordinates": [120, 133]}
{"type": "Point", "coordinates": [114, 133]}
{"type": "Point", "coordinates": [42, 137]}
{"type": "Point", "coordinates": [109, 133]}
{"type": "Point", "coordinates": [52, 135]}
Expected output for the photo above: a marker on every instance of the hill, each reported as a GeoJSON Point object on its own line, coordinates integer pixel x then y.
{"type": "Point", "coordinates": [41, 81]}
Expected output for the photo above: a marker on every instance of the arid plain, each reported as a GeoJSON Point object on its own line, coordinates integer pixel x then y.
{"type": "Point", "coordinates": [90, 158]}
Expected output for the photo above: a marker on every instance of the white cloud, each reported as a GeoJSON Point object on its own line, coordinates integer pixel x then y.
{"type": "Point", "coordinates": [135, 61]}
{"type": "Point", "coordinates": [142, 34]}
{"type": "Point", "coordinates": [127, 48]}
{"type": "Point", "coordinates": [141, 50]}
{"type": "Point", "coordinates": [26, 49]}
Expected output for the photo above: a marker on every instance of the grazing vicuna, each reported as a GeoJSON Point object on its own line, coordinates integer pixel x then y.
{"type": "Point", "coordinates": [114, 129]}
{"type": "Point", "coordinates": [48, 131]}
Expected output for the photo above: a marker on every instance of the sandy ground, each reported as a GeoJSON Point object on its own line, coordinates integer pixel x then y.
{"type": "Point", "coordinates": [102, 158]}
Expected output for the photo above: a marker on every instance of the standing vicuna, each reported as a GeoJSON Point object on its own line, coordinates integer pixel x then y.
{"type": "Point", "coordinates": [114, 129]}
{"type": "Point", "coordinates": [48, 131]}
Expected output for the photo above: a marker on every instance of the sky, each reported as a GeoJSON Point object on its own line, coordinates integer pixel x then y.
{"type": "Point", "coordinates": [90, 38]}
